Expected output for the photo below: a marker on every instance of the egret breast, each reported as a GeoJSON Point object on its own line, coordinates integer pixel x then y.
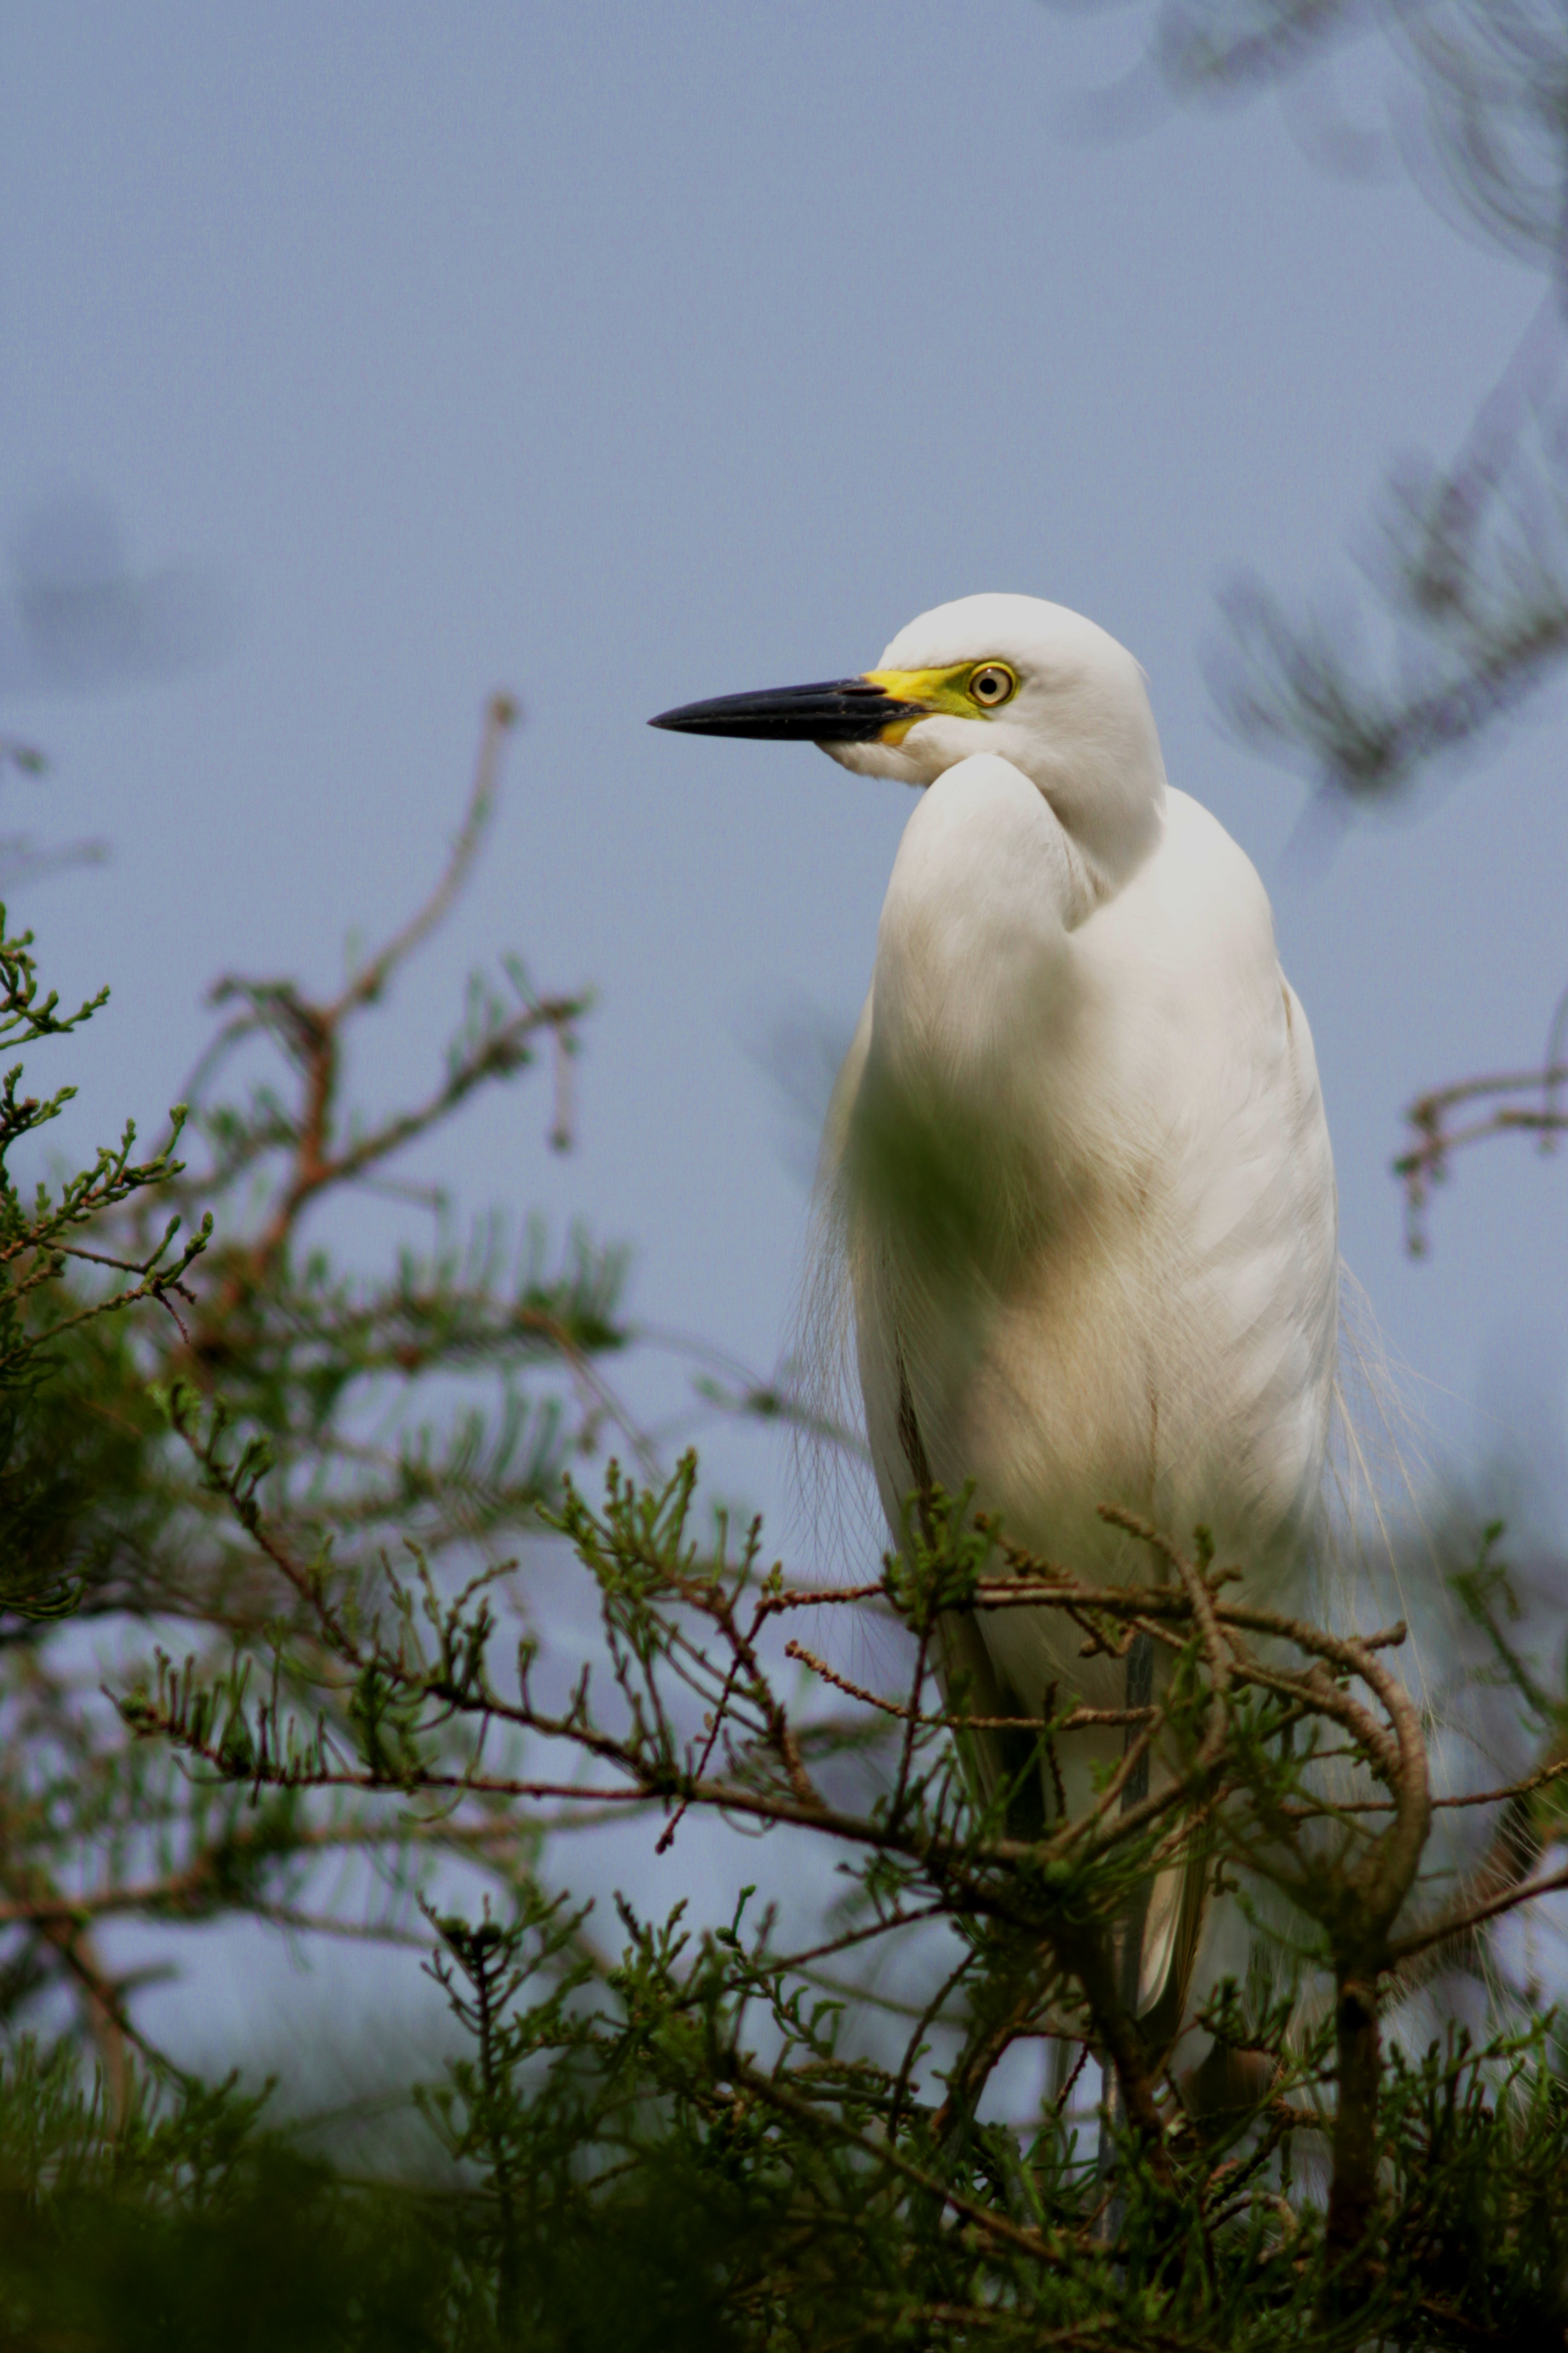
{"type": "Point", "coordinates": [1088, 1198]}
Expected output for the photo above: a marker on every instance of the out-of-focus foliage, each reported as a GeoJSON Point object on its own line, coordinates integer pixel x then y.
{"type": "Point", "coordinates": [435, 1404]}
{"type": "Point", "coordinates": [689, 2136]}
{"type": "Point", "coordinates": [1468, 559]}
{"type": "Point", "coordinates": [272, 1618]}
{"type": "Point", "coordinates": [1465, 558]}
{"type": "Point", "coordinates": [46, 1323]}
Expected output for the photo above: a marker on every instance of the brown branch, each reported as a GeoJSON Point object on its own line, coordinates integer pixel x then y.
{"type": "Point", "coordinates": [1119, 2036]}
{"type": "Point", "coordinates": [984, 2050]}
{"type": "Point", "coordinates": [317, 1168]}
{"type": "Point", "coordinates": [822, 1597]}
{"type": "Point", "coordinates": [1501, 1883]}
{"type": "Point", "coordinates": [1216, 1652]}
{"type": "Point", "coordinates": [1359, 1907]}
{"type": "Point", "coordinates": [1427, 1161]}
{"type": "Point", "coordinates": [312, 1035]}
{"type": "Point", "coordinates": [836, 1944]}
{"type": "Point", "coordinates": [1059, 2104]}
{"type": "Point", "coordinates": [1457, 1925]}
{"type": "Point", "coordinates": [1510, 1790]}
{"type": "Point", "coordinates": [501, 715]}
{"type": "Point", "coordinates": [189, 1889]}
{"type": "Point", "coordinates": [1079, 1720]}
{"type": "Point", "coordinates": [107, 2023]}
{"type": "Point", "coordinates": [902, 2082]}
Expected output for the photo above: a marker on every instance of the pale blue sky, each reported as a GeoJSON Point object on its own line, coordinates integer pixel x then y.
{"type": "Point", "coordinates": [620, 354]}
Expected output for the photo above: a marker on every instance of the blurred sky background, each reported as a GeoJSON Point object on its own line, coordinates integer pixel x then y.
{"type": "Point", "coordinates": [619, 354]}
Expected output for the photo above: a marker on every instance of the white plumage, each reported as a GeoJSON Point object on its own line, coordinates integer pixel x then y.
{"type": "Point", "coordinates": [1077, 1159]}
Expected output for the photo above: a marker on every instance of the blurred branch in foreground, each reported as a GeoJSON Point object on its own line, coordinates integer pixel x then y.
{"type": "Point", "coordinates": [1525, 1103]}
{"type": "Point", "coordinates": [79, 618]}
{"type": "Point", "coordinates": [22, 859]}
{"type": "Point", "coordinates": [1468, 559]}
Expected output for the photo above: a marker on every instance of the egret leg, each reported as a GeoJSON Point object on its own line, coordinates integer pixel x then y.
{"type": "Point", "coordinates": [1130, 1947]}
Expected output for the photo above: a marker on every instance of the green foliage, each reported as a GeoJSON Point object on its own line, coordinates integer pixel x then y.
{"type": "Point", "coordinates": [51, 1468]}
{"type": "Point", "coordinates": [324, 1528]}
{"type": "Point", "coordinates": [194, 2222]}
{"type": "Point", "coordinates": [815, 2185]}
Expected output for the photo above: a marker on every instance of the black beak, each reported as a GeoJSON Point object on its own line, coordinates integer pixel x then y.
{"type": "Point", "coordinates": [844, 711]}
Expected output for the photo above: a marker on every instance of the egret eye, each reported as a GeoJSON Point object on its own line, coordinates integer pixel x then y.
{"type": "Point", "coordinates": [992, 683]}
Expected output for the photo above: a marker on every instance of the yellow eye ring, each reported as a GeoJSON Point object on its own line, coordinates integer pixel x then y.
{"type": "Point", "coordinates": [992, 685]}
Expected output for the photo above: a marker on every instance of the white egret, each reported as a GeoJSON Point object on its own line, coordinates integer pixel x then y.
{"type": "Point", "coordinates": [1078, 1148]}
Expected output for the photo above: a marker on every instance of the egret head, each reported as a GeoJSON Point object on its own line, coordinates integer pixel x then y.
{"type": "Point", "coordinates": [1032, 681]}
